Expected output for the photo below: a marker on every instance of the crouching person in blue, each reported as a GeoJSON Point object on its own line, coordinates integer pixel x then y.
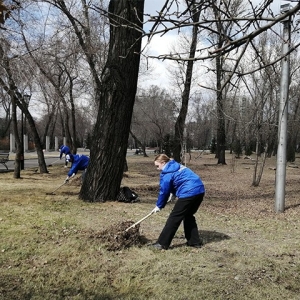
{"type": "Point", "coordinates": [79, 163]}
{"type": "Point", "coordinates": [189, 189]}
{"type": "Point", "coordinates": [64, 150]}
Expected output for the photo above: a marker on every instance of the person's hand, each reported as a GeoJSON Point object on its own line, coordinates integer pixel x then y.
{"type": "Point", "coordinates": [172, 197]}
{"type": "Point", "coordinates": [67, 179]}
{"type": "Point", "coordinates": [73, 175]}
{"type": "Point", "coordinates": [156, 209]}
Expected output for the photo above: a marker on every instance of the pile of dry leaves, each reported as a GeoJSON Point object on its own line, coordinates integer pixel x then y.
{"type": "Point", "coordinates": [117, 238]}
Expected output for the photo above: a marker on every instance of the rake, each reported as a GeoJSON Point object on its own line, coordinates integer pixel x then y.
{"type": "Point", "coordinates": [52, 193]}
{"type": "Point", "coordinates": [54, 162]}
{"type": "Point", "coordinates": [138, 222]}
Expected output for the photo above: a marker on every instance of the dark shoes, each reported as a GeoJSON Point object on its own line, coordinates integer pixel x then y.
{"type": "Point", "coordinates": [195, 245]}
{"type": "Point", "coordinates": [158, 246]}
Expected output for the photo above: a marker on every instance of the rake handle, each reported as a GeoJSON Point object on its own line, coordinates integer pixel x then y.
{"type": "Point", "coordinates": [141, 220]}
{"type": "Point", "coordinates": [57, 188]}
{"type": "Point", "coordinates": [55, 161]}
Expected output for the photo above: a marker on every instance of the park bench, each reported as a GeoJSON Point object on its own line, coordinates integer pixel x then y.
{"type": "Point", "coordinates": [4, 158]}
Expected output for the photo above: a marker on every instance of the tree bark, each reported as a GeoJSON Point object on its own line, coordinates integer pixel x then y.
{"type": "Point", "coordinates": [180, 122]}
{"type": "Point", "coordinates": [17, 169]}
{"type": "Point", "coordinates": [37, 142]}
{"type": "Point", "coordinates": [221, 136]}
{"type": "Point", "coordinates": [18, 101]}
{"type": "Point", "coordinates": [117, 96]}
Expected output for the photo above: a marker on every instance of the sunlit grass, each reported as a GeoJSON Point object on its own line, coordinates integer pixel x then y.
{"type": "Point", "coordinates": [48, 250]}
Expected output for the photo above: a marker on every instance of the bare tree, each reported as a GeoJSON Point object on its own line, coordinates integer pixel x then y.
{"type": "Point", "coordinates": [194, 11]}
{"type": "Point", "coordinates": [154, 116]}
{"type": "Point", "coordinates": [112, 92]}
{"type": "Point", "coordinates": [9, 84]}
{"type": "Point", "coordinates": [5, 103]}
{"type": "Point", "coordinates": [118, 89]}
{"type": "Point", "coordinates": [262, 88]}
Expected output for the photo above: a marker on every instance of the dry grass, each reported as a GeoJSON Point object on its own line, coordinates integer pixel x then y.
{"type": "Point", "coordinates": [50, 249]}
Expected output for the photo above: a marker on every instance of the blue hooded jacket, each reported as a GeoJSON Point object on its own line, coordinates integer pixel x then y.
{"type": "Point", "coordinates": [179, 180]}
{"type": "Point", "coordinates": [79, 162]}
{"type": "Point", "coordinates": [64, 150]}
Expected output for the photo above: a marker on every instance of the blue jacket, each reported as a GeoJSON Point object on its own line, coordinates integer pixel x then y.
{"type": "Point", "coordinates": [179, 180]}
{"type": "Point", "coordinates": [64, 150]}
{"type": "Point", "coordinates": [80, 163]}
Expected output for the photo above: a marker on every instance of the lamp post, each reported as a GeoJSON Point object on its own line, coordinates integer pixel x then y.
{"type": "Point", "coordinates": [26, 98]}
{"type": "Point", "coordinates": [283, 107]}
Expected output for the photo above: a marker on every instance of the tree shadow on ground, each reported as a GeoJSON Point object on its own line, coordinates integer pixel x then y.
{"type": "Point", "coordinates": [69, 193]}
{"type": "Point", "coordinates": [212, 236]}
{"type": "Point", "coordinates": [292, 206]}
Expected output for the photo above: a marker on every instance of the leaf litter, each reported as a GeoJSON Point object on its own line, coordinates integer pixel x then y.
{"type": "Point", "coordinates": [116, 237]}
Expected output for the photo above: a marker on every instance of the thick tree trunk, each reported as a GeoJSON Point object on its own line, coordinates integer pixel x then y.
{"type": "Point", "coordinates": [117, 96]}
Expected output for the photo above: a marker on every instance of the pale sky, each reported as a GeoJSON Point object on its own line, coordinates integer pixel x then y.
{"type": "Point", "coordinates": [162, 45]}
{"type": "Point", "coordinates": [158, 45]}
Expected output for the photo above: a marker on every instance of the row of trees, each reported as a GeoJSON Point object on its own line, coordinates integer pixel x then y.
{"type": "Point", "coordinates": [81, 62]}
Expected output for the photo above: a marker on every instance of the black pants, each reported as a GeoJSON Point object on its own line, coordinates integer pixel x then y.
{"type": "Point", "coordinates": [184, 210]}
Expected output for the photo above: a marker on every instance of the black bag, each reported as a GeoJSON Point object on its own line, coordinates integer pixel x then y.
{"type": "Point", "coordinates": [127, 195]}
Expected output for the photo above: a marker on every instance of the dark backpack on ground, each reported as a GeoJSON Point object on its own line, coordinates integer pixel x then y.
{"type": "Point", "coordinates": [127, 195]}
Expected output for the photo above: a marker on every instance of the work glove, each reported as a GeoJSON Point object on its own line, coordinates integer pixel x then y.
{"type": "Point", "coordinates": [172, 197]}
{"type": "Point", "coordinates": [156, 209]}
{"type": "Point", "coordinates": [67, 179]}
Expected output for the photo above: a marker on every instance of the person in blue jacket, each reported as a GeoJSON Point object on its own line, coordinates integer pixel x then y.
{"type": "Point", "coordinates": [63, 149]}
{"type": "Point", "coordinates": [189, 189]}
{"type": "Point", "coordinates": [79, 163]}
